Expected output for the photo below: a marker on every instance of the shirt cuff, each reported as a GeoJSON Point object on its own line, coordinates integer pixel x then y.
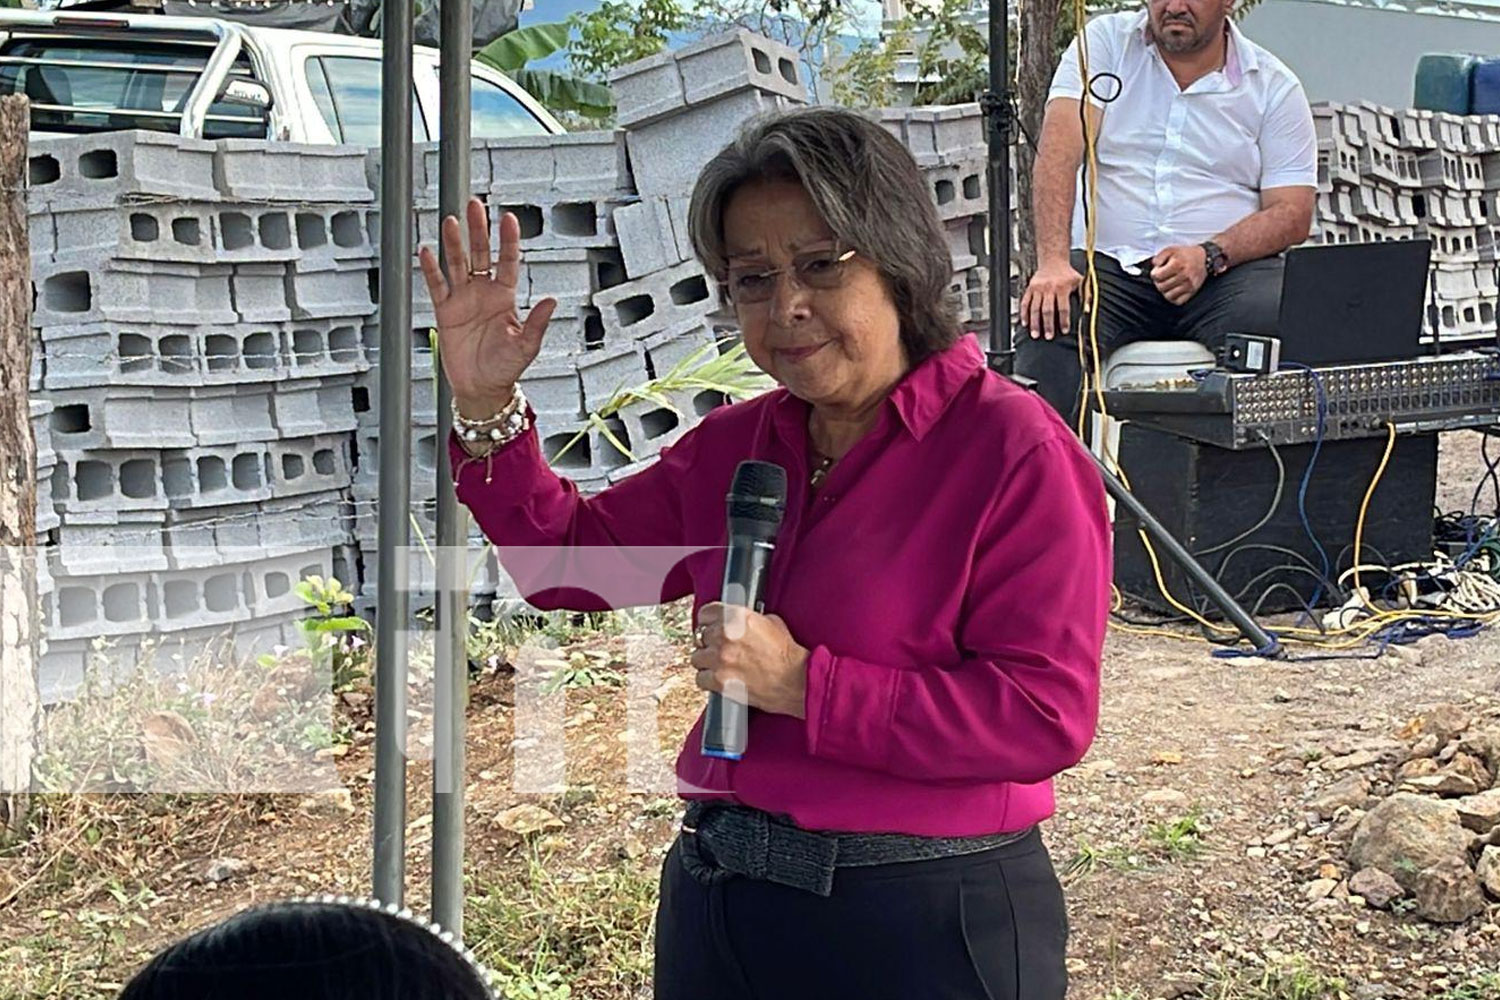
{"type": "Point", "coordinates": [849, 707]}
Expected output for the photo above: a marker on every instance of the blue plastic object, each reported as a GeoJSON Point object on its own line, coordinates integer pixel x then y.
{"type": "Point", "coordinates": [1484, 92]}
{"type": "Point", "coordinates": [1444, 82]}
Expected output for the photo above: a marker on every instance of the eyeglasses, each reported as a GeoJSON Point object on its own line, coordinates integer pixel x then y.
{"type": "Point", "coordinates": [816, 269]}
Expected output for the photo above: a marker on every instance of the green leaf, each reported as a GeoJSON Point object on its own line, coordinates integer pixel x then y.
{"type": "Point", "coordinates": [566, 93]}
{"type": "Point", "coordinates": [515, 49]}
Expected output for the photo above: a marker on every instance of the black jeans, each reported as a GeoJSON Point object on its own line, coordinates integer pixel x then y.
{"type": "Point", "coordinates": [986, 926]}
{"type": "Point", "coordinates": [1245, 299]}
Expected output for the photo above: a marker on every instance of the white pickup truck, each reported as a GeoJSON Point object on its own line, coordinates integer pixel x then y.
{"type": "Point", "coordinates": [214, 79]}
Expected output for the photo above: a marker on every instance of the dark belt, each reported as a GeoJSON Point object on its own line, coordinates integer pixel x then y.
{"type": "Point", "coordinates": [720, 840]}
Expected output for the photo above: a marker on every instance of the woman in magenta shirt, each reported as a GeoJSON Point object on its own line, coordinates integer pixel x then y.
{"type": "Point", "coordinates": [935, 606]}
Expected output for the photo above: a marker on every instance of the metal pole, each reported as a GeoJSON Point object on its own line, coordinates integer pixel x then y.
{"type": "Point", "coordinates": [1183, 558]}
{"type": "Point", "coordinates": [395, 448]}
{"type": "Point", "coordinates": [998, 113]}
{"type": "Point", "coordinates": [451, 675]}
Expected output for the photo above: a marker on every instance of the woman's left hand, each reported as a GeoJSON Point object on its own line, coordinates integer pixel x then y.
{"type": "Point", "coordinates": [737, 646]}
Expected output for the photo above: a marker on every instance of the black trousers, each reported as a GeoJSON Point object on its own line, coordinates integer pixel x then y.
{"type": "Point", "coordinates": [987, 926]}
{"type": "Point", "coordinates": [1245, 299]}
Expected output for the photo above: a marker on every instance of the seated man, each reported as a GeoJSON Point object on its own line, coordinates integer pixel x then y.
{"type": "Point", "coordinates": [1207, 170]}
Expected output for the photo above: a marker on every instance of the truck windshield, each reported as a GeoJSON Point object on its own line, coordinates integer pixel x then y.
{"type": "Point", "coordinates": [87, 85]}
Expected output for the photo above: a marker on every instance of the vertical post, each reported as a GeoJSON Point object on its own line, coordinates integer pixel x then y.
{"type": "Point", "coordinates": [451, 661]}
{"type": "Point", "coordinates": [997, 106]}
{"type": "Point", "coordinates": [18, 600]}
{"type": "Point", "coordinates": [392, 600]}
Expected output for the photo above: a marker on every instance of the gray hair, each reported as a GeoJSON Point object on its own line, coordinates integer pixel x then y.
{"type": "Point", "coordinates": [868, 189]}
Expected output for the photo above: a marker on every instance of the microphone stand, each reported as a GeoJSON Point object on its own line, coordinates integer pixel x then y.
{"type": "Point", "coordinates": [999, 112]}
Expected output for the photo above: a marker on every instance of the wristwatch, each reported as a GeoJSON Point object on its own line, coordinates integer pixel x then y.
{"type": "Point", "coordinates": [1217, 261]}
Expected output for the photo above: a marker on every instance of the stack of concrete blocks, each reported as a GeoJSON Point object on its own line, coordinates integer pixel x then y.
{"type": "Point", "coordinates": [1386, 174]}
{"type": "Point", "coordinates": [199, 307]}
{"type": "Point", "coordinates": [949, 146]}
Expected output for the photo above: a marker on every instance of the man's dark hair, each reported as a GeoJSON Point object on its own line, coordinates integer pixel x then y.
{"type": "Point", "coordinates": [311, 951]}
{"type": "Point", "coordinates": [868, 189]}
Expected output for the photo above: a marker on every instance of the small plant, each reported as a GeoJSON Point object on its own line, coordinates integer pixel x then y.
{"type": "Point", "coordinates": [584, 670]}
{"type": "Point", "coordinates": [1480, 986]}
{"type": "Point", "coordinates": [331, 636]}
{"type": "Point", "coordinates": [1179, 839]}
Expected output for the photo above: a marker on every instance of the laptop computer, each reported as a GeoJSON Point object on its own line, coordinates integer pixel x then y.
{"type": "Point", "coordinates": [1351, 303]}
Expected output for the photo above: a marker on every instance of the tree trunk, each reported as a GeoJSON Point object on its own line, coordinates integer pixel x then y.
{"type": "Point", "coordinates": [18, 599]}
{"type": "Point", "coordinates": [1038, 60]}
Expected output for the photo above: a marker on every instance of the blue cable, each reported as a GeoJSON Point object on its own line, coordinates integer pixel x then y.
{"type": "Point", "coordinates": [1307, 477]}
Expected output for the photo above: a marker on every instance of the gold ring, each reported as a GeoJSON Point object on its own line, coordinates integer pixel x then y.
{"type": "Point", "coordinates": [488, 272]}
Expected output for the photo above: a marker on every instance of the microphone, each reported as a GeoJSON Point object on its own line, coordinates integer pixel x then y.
{"type": "Point", "coordinates": [756, 502]}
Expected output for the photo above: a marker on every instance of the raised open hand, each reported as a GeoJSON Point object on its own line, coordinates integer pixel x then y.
{"type": "Point", "coordinates": [482, 342]}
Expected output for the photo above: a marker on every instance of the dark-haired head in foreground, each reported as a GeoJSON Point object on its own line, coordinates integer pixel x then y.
{"type": "Point", "coordinates": [324, 950]}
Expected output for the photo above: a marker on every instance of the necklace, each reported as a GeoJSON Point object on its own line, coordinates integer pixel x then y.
{"type": "Point", "coordinates": [820, 472]}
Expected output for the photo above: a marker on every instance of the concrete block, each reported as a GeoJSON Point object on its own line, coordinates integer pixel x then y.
{"type": "Point", "coordinates": [104, 547]}
{"type": "Point", "coordinates": [119, 418]}
{"type": "Point", "coordinates": [314, 464]}
{"type": "Point", "coordinates": [739, 60]}
{"type": "Point", "coordinates": [273, 581]}
{"type": "Point", "coordinates": [109, 354]}
{"type": "Point", "coordinates": [374, 169]}
{"type": "Point", "coordinates": [677, 210]}
{"type": "Point", "coordinates": [1458, 244]}
{"type": "Point", "coordinates": [40, 413]}
{"type": "Point", "coordinates": [109, 481]}
{"type": "Point", "coordinates": [607, 372]}
{"type": "Point", "coordinates": [231, 414]}
{"type": "Point", "coordinates": [269, 170]}
{"type": "Point", "coordinates": [199, 598]}
{"type": "Point", "coordinates": [584, 454]}
{"type": "Point", "coordinates": [958, 189]}
{"type": "Point", "coordinates": [419, 345]}
{"type": "Point", "coordinates": [553, 223]}
{"type": "Point", "coordinates": [248, 234]}
{"type": "Point", "coordinates": [421, 462]}
{"type": "Point", "coordinates": [329, 236]}
{"type": "Point", "coordinates": [591, 164]}
{"type": "Point", "coordinates": [647, 243]}
{"type": "Point", "coordinates": [690, 344]}
{"type": "Point", "coordinates": [104, 167]}
{"type": "Point", "coordinates": [479, 167]}
{"type": "Point", "coordinates": [130, 291]}
{"type": "Point", "coordinates": [941, 135]}
{"type": "Point", "coordinates": [554, 387]}
{"type": "Point", "coordinates": [667, 156]}
{"type": "Point", "coordinates": [1454, 281]}
{"type": "Point", "coordinates": [649, 305]}
{"type": "Point", "coordinates": [650, 427]}
{"type": "Point", "coordinates": [235, 355]}
{"type": "Point", "coordinates": [87, 607]}
{"type": "Point", "coordinates": [365, 399]}
{"type": "Point", "coordinates": [566, 275]}
{"type": "Point", "coordinates": [260, 293]}
{"type": "Point", "coordinates": [521, 166]}
{"type": "Point", "coordinates": [1379, 122]}
{"type": "Point", "coordinates": [647, 90]}
{"type": "Point", "coordinates": [216, 476]}
{"type": "Point", "coordinates": [1418, 130]}
{"type": "Point", "coordinates": [323, 348]}
{"type": "Point", "coordinates": [313, 406]}
{"type": "Point", "coordinates": [341, 293]}
{"type": "Point", "coordinates": [173, 231]}
{"type": "Point", "coordinates": [1450, 133]}
{"type": "Point", "coordinates": [1382, 162]}
{"type": "Point", "coordinates": [303, 524]}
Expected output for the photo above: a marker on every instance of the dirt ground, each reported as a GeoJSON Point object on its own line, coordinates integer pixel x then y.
{"type": "Point", "coordinates": [1183, 838]}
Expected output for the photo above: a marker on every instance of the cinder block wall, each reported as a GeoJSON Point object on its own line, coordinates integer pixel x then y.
{"type": "Point", "coordinates": [1386, 174]}
{"type": "Point", "coordinates": [206, 394]}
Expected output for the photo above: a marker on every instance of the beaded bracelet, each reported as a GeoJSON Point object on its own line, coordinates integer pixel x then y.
{"type": "Point", "coordinates": [505, 426]}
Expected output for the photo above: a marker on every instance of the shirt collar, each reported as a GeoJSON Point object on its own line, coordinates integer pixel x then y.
{"type": "Point", "coordinates": [1239, 58]}
{"type": "Point", "coordinates": [919, 399]}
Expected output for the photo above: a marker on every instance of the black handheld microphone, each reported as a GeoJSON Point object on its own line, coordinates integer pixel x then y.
{"type": "Point", "coordinates": [756, 501]}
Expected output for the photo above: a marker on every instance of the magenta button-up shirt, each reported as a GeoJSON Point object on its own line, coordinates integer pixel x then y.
{"type": "Point", "coordinates": [951, 578]}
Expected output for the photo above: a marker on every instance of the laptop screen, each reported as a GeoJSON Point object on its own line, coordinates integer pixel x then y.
{"type": "Point", "coordinates": [1351, 303]}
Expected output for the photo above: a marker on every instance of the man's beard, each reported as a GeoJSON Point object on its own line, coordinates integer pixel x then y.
{"type": "Point", "coordinates": [1180, 44]}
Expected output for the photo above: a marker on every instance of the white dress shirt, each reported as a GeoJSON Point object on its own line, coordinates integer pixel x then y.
{"type": "Point", "coordinates": [1179, 166]}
